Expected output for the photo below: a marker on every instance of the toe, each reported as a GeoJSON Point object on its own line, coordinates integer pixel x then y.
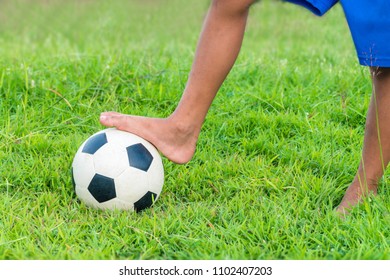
{"type": "Point", "coordinates": [109, 118]}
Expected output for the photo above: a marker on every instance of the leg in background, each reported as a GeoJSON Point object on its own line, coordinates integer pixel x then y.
{"type": "Point", "coordinates": [376, 147]}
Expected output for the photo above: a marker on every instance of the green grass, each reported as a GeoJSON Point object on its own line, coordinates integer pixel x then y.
{"type": "Point", "coordinates": [279, 146]}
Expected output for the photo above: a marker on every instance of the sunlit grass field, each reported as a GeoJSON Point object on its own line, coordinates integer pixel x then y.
{"type": "Point", "coordinates": [279, 146]}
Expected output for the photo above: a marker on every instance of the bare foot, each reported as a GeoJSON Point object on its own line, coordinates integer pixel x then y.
{"type": "Point", "coordinates": [175, 141]}
{"type": "Point", "coordinates": [354, 194]}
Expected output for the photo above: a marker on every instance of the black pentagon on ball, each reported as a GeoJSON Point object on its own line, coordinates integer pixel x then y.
{"type": "Point", "coordinates": [95, 143]}
{"type": "Point", "coordinates": [145, 202]}
{"type": "Point", "coordinates": [139, 157]}
{"type": "Point", "coordinates": [102, 188]}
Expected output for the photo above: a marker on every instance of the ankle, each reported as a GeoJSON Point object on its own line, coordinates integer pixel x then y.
{"type": "Point", "coordinates": [366, 185]}
{"type": "Point", "coordinates": [182, 127]}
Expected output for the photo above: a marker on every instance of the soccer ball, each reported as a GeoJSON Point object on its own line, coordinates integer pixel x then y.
{"type": "Point", "coordinates": [114, 169]}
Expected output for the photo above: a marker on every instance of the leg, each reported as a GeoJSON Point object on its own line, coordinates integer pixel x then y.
{"type": "Point", "coordinates": [217, 50]}
{"type": "Point", "coordinates": [376, 147]}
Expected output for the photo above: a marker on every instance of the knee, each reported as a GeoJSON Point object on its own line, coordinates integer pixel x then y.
{"type": "Point", "coordinates": [234, 6]}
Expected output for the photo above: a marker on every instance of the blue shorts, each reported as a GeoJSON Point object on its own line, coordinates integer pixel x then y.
{"type": "Point", "coordinates": [369, 22]}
